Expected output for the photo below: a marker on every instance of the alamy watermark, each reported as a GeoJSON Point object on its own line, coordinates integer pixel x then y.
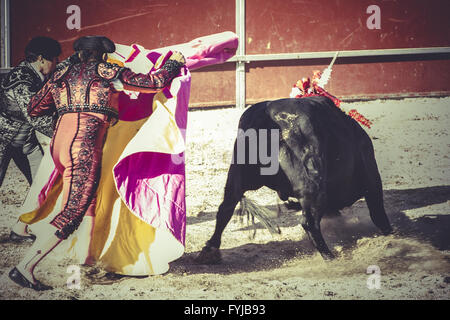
{"type": "Point", "coordinates": [74, 281]}
{"type": "Point", "coordinates": [257, 152]}
{"type": "Point", "coordinates": [374, 279]}
{"type": "Point", "coordinates": [74, 20]}
{"type": "Point", "coordinates": [253, 147]}
{"type": "Point", "coordinates": [374, 21]}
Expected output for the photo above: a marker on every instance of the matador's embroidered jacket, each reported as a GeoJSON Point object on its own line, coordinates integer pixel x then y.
{"type": "Point", "coordinates": [16, 90]}
{"type": "Point", "coordinates": [89, 87]}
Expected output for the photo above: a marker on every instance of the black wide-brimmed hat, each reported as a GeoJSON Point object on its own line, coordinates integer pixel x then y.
{"type": "Point", "coordinates": [97, 43]}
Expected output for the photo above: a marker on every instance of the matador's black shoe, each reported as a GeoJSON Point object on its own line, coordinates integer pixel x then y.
{"type": "Point", "coordinates": [18, 278]}
{"type": "Point", "coordinates": [14, 237]}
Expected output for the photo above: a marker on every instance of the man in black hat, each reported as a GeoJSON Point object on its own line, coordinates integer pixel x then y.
{"type": "Point", "coordinates": [17, 129]}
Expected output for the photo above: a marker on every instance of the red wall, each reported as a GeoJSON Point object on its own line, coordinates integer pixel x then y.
{"type": "Point", "coordinates": [272, 26]}
{"type": "Point", "coordinates": [288, 26]}
{"type": "Point", "coordinates": [151, 23]}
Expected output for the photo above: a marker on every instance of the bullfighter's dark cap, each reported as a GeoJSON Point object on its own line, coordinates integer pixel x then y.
{"type": "Point", "coordinates": [98, 43]}
{"type": "Point", "coordinates": [47, 47]}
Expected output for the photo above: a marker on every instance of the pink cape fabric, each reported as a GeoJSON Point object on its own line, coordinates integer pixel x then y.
{"type": "Point", "coordinates": [152, 182]}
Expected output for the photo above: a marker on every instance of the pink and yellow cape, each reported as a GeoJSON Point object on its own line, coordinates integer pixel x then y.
{"type": "Point", "coordinates": [140, 218]}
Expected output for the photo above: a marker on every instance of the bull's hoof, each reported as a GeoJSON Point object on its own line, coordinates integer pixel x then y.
{"type": "Point", "coordinates": [387, 231]}
{"type": "Point", "coordinates": [209, 255]}
{"type": "Point", "coordinates": [327, 256]}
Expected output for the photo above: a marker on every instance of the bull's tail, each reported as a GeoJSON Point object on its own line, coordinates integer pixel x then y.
{"type": "Point", "coordinates": [251, 210]}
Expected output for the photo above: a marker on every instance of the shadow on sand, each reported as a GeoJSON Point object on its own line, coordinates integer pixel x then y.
{"type": "Point", "coordinates": [345, 230]}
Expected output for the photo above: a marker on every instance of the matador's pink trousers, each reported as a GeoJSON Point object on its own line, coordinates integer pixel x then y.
{"type": "Point", "coordinates": [76, 149]}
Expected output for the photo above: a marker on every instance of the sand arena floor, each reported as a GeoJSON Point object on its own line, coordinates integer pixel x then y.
{"type": "Point", "coordinates": [412, 147]}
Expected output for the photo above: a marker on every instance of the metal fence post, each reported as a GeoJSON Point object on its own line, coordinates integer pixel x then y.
{"type": "Point", "coordinates": [240, 65]}
{"type": "Point", "coordinates": [5, 62]}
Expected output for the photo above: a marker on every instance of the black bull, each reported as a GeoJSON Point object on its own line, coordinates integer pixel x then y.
{"type": "Point", "coordinates": [326, 161]}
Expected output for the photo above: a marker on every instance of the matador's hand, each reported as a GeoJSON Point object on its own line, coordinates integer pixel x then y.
{"type": "Point", "coordinates": [178, 56]}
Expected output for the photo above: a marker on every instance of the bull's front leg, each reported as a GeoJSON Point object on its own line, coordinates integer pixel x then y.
{"type": "Point", "coordinates": [210, 253]}
{"type": "Point", "coordinates": [315, 235]}
{"type": "Point", "coordinates": [310, 221]}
